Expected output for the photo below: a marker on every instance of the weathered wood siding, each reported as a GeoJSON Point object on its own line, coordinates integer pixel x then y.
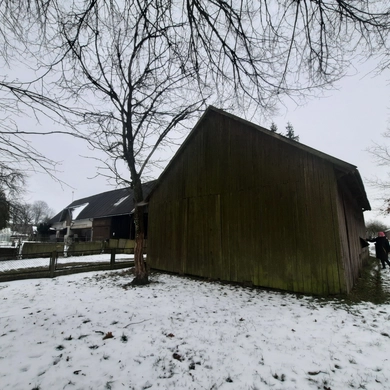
{"type": "Point", "coordinates": [243, 206]}
{"type": "Point", "coordinates": [351, 229]}
{"type": "Point", "coordinates": [101, 229]}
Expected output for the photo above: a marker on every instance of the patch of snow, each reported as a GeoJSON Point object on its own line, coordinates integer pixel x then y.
{"type": "Point", "coordinates": [121, 200]}
{"type": "Point", "coordinates": [6, 244]}
{"type": "Point", "coordinates": [75, 211]}
{"type": "Point", "coordinates": [5, 236]}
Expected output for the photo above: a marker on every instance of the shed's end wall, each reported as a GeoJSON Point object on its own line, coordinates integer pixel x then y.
{"type": "Point", "coordinates": [240, 205]}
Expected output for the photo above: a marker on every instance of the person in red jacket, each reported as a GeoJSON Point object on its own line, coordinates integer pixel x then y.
{"type": "Point", "coordinates": [382, 248]}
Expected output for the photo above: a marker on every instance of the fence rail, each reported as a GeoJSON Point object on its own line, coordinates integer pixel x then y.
{"type": "Point", "coordinates": [31, 249]}
{"type": "Point", "coordinates": [51, 264]}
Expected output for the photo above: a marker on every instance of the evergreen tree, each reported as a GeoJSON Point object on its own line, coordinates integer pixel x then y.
{"type": "Point", "coordinates": [43, 230]}
{"type": "Point", "coordinates": [290, 132]}
{"type": "Point", "coordinates": [273, 127]}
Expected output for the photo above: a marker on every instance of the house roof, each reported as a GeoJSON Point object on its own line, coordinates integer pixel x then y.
{"type": "Point", "coordinates": [105, 204]}
{"type": "Point", "coordinates": [346, 172]}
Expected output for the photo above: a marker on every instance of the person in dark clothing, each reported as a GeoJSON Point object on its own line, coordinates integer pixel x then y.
{"type": "Point", "coordinates": [382, 248]}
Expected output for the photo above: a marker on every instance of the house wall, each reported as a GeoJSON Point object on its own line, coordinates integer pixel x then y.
{"type": "Point", "coordinates": [81, 235]}
{"type": "Point", "coordinates": [101, 229]}
{"type": "Point", "coordinates": [240, 205]}
{"type": "Point", "coordinates": [121, 226]}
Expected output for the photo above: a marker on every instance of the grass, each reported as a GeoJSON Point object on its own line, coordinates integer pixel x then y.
{"type": "Point", "coordinates": [369, 286]}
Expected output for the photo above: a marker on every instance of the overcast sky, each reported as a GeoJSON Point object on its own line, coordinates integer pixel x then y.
{"type": "Point", "coordinates": [342, 124]}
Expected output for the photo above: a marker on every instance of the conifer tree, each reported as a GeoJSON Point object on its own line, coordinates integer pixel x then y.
{"type": "Point", "coordinates": [273, 127]}
{"type": "Point", "coordinates": [290, 132]}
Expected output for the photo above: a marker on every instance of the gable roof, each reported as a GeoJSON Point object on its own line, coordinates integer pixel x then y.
{"type": "Point", "coordinates": [346, 172]}
{"type": "Point", "coordinates": [106, 204]}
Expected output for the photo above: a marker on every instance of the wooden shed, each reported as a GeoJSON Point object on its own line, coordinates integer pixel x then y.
{"type": "Point", "coordinates": [240, 203]}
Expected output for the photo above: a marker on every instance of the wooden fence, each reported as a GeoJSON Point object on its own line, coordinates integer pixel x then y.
{"type": "Point", "coordinates": [47, 265]}
{"type": "Point", "coordinates": [30, 250]}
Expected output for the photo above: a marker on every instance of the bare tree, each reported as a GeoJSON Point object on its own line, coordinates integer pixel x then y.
{"type": "Point", "coordinates": [25, 28]}
{"type": "Point", "coordinates": [381, 154]}
{"type": "Point", "coordinates": [23, 216]}
{"type": "Point", "coordinates": [126, 74]}
{"type": "Point", "coordinates": [128, 58]}
{"type": "Point", "coordinates": [41, 212]}
{"type": "Point", "coordinates": [373, 227]}
{"type": "Point", "coordinates": [256, 52]}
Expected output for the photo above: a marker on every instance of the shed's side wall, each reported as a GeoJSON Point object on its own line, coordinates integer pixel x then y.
{"type": "Point", "coordinates": [242, 206]}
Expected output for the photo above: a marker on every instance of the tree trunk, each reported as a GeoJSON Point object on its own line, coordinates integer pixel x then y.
{"type": "Point", "coordinates": [140, 269]}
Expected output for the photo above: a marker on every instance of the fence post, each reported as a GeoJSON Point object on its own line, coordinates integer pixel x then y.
{"type": "Point", "coordinates": [112, 259]}
{"type": "Point", "coordinates": [53, 259]}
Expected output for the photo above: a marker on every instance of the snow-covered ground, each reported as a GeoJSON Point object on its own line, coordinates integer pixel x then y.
{"type": "Point", "coordinates": [179, 333]}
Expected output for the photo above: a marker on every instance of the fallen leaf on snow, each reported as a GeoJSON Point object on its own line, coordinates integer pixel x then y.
{"type": "Point", "coordinates": [108, 336]}
{"type": "Point", "coordinates": [178, 357]}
